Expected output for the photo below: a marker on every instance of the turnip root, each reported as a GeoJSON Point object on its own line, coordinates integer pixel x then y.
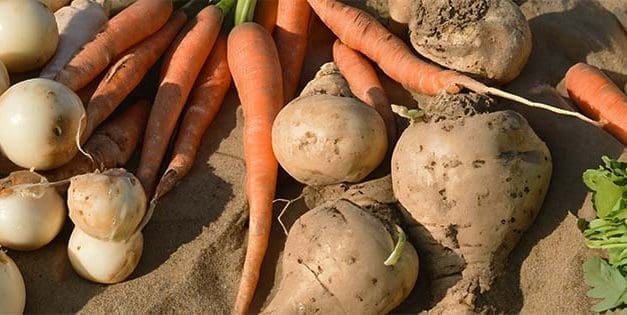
{"type": "Point", "coordinates": [30, 217]}
{"type": "Point", "coordinates": [28, 34]}
{"type": "Point", "coordinates": [77, 25]}
{"type": "Point", "coordinates": [104, 261]}
{"type": "Point", "coordinates": [39, 123]}
{"type": "Point", "coordinates": [474, 184]}
{"type": "Point", "coordinates": [487, 38]}
{"type": "Point", "coordinates": [321, 138]}
{"type": "Point", "coordinates": [12, 290]}
{"type": "Point", "coordinates": [4, 78]}
{"type": "Point", "coordinates": [334, 263]}
{"type": "Point", "coordinates": [400, 10]}
{"type": "Point", "coordinates": [108, 206]}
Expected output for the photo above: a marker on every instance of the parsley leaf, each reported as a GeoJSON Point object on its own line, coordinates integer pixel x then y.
{"type": "Point", "coordinates": [607, 283]}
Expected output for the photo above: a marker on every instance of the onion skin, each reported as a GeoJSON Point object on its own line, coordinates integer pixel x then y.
{"type": "Point", "coordinates": [32, 217]}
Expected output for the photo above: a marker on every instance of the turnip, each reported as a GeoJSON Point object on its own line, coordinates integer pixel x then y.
{"type": "Point", "coordinates": [109, 205]}
{"type": "Point", "coordinates": [322, 139]}
{"type": "Point", "coordinates": [336, 262]}
{"type": "Point", "coordinates": [474, 183]}
{"type": "Point", "coordinates": [30, 215]}
{"type": "Point", "coordinates": [39, 123]}
{"type": "Point", "coordinates": [28, 33]}
{"type": "Point", "coordinates": [487, 38]}
{"type": "Point", "coordinates": [4, 78]}
{"type": "Point", "coordinates": [104, 261]}
{"type": "Point", "coordinates": [12, 290]}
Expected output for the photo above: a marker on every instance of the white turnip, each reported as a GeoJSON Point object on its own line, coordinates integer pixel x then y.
{"type": "Point", "coordinates": [12, 290]}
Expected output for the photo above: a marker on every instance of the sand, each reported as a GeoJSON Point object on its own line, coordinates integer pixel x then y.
{"type": "Point", "coordinates": [194, 245]}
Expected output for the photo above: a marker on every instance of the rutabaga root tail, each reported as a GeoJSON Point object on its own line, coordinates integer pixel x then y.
{"type": "Point", "coordinates": [288, 203]}
{"type": "Point", "coordinates": [481, 88]}
{"type": "Point", "coordinates": [81, 124]}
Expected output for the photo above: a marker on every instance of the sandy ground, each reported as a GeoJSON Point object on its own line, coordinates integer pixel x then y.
{"type": "Point", "coordinates": [194, 245]}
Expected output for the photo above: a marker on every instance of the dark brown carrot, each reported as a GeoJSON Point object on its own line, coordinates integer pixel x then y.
{"type": "Point", "coordinates": [206, 100]}
{"type": "Point", "coordinates": [364, 83]}
{"type": "Point", "coordinates": [190, 50]}
{"type": "Point", "coordinates": [290, 35]}
{"type": "Point", "coordinates": [112, 145]}
{"type": "Point", "coordinates": [129, 27]}
{"type": "Point", "coordinates": [266, 14]}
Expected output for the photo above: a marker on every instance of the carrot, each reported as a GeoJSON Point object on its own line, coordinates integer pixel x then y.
{"type": "Point", "coordinates": [266, 14]}
{"type": "Point", "coordinates": [290, 35]}
{"type": "Point", "coordinates": [598, 98]}
{"type": "Point", "coordinates": [362, 32]}
{"type": "Point", "coordinates": [364, 83]}
{"type": "Point", "coordinates": [132, 25]}
{"type": "Point", "coordinates": [112, 145]}
{"type": "Point", "coordinates": [189, 52]}
{"type": "Point", "coordinates": [131, 67]}
{"type": "Point", "coordinates": [206, 100]}
{"type": "Point", "coordinates": [256, 69]}
{"type": "Point", "coordinates": [78, 24]}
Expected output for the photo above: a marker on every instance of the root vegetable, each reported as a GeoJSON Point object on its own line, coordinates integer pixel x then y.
{"type": "Point", "coordinates": [104, 261]}
{"type": "Point", "coordinates": [28, 33]}
{"type": "Point", "coordinates": [474, 185]}
{"type": "Point", "coordinates": [400, 10]}
{"type": "Point", "coordinates": [325, 139]}
{"type": "Point", "coordinates": [108, 206]}
{"type": "Point", "coordinates": [12, 289]}
{"type": "Point", "coordinates": [486, 38]}
{"type": "Point", "coordinates": [39, 123]}
{"type": "Point", "coordinates": [334, 263]}
{"type": "Point", "coordinates": [4, 78]}
{"type": "Point", "coordinates": [55, 5]}
{"type": "Point", "coordinates": [30, 217]}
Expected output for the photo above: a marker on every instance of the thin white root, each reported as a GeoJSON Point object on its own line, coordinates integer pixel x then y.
{"type": "Point", "coordinates": [287, 204]}
{"type": "Point", "coordinates": [398, 249]}
{"type": "Point", "coordinates": [118, 65]}
{"type": "Point", "coordinates": [147, 216]}
{"type": "Point", "coordinates": [522, 100]}
{"type": "Point", "coordinates": [78, 139]}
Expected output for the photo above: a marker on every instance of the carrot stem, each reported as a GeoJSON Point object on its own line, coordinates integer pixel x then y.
{"type": "Point", "coordinates": [244, 11]}
{"type": "Point", "coordinates": [226, 6]}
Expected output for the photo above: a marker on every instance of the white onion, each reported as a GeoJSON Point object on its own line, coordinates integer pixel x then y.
{"type": "Point", "coordinates": [39, 121]}
{"type": "Point", "coordinates": [108, 205]}
{"type": "Point", "coordinates": [28, 34]}
{"type": "Point", "coordinates": [12, 289]}
{"type": "Point", "coordinates": [104, 261]}
{"type": "Point", "coordinates": [29, 217]}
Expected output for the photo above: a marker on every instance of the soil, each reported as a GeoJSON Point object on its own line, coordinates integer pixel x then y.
{"type": "Point", "coordinates": [195, 243]}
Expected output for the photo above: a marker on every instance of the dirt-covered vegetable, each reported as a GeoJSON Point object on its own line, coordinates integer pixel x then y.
{"type": "Point", "coordinates": [324, 137]}
{"type": "Point", "coordinates": [474, 183]}
{"type": "Point", "coordinates": [31, 212]}
{"type": "Point", "coordinates": [12, 289]}
{"type": "Point", "coordinates": [104, 261]}
{"type": "Point", "coordinates": [487, 38]}
{"type": "Point", "coordinates": [334, 262]}
{"type": "Point", "coordinates": [39, 123]}
{"type": "Point", "coordinates": [108, 205]}
{"type": "Point", "coordinates": [28, 33]}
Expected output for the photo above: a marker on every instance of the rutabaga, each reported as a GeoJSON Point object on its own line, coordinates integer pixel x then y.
{"type": "Point", "coordinates": [31, 212]}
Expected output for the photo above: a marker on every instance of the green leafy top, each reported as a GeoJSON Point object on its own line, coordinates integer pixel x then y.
{"type": "Point", "coordinates": [608, 231]}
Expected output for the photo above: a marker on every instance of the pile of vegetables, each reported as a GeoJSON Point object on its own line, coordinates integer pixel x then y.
{"type": "Point", "coordinates": [607, 232]}
{"type": "Point", "coordinates": [81, 113]}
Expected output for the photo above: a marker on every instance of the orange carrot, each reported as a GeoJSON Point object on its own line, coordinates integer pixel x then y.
{"type": "Point", "coordinates": [362, 32]}
{"type": "Point", "coordinates": [206, 100]}
{"type": "Point", "coordinates": [599, 98]}
{"type": "Point", "coordinates": [112, 145]}
{"type": "Point", "coordinates": [129, 27]}
{"type": "Point", "coordinates": [254, 63]}
{"type": "Point", "coordinates": [364, 83]}
{"type": "Point", "coordinates": [131, 68]}
{"type": "Point", "coordinates": [189, 52]}
{"type": "Point", "coordinates": [290, 34]}
{"type": "Point", "coordinates": [266, 14]}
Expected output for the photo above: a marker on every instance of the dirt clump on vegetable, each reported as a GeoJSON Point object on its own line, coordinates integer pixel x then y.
{"type": "Point", "coordinates": [490, 39]}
